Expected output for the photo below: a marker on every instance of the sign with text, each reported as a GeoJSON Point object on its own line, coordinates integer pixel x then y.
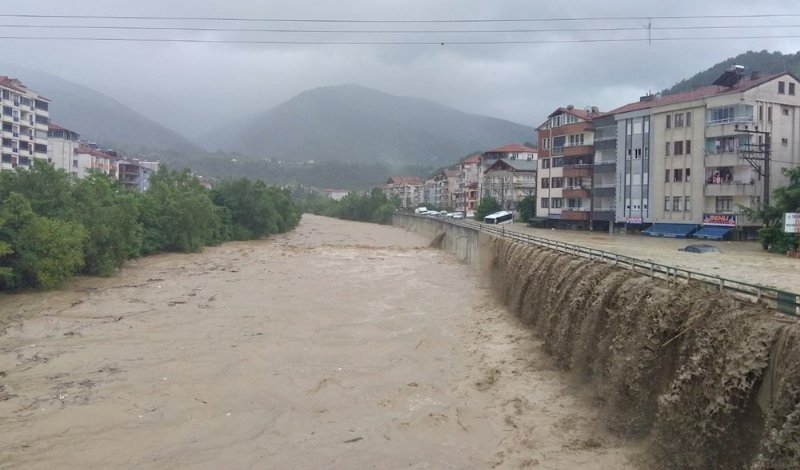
{"type": "Point", "coordinates": [791, 222]}
{"type": "Point", "coordinates": [633, 220]}
{"type": "Point", "coordinates": [721, 220]}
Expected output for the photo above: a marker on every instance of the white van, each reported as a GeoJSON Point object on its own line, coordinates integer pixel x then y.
{"type": "Point", "coordinates": [421, 210]}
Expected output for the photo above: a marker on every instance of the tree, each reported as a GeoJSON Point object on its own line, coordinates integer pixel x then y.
{"type": "Point", "coordinates": [785, 199]}
{"type": "Point", "coordinates": [45, 251]}
{"type": "Point", "coordinates": [487, 205]}
{"type": "Point", "coordinates": [177, 214]}
{"type": "Point", "coordinates": [110, 216]}
{"type": "Point", "coordinates": [527, 208]}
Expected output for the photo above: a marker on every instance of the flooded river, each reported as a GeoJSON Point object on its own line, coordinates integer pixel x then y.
{"type": "Point", "coordinates": [340, 345]}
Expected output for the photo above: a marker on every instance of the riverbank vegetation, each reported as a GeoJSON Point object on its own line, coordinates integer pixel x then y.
{"type": "Point", "coordinates": [53, 226]}
{"type": "Point", "coordinates": [373, 207]}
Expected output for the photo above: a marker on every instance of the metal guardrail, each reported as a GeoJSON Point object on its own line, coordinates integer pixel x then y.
{"type": "Point", "coordinates": [784, 302]}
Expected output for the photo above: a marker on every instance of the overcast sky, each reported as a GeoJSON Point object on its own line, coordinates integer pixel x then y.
{"type": "Point", "coordinates": [191, 87]}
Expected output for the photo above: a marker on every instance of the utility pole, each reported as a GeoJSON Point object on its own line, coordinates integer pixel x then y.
{"type": "Point", "coordinates": [755, 153]}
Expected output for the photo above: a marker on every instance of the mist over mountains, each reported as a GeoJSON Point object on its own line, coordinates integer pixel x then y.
{"type": "Point", "coordinates": [98, 117]}
{"type": "Point", "coordinates": [351, 123]}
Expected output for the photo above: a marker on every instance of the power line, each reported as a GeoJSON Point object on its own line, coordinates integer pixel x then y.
{"type": "Point", "coordinates": [328, 20]}
{"type": "Point", "coordinates": [390, 31]}
{"type": "Point", "coordinates": [391, 43]}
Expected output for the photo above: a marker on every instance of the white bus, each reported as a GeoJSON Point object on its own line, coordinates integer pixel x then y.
{"type": "Point", "coordinates": [498, 218]}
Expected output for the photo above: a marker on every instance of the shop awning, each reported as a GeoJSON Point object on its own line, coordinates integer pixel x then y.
{"type": "Point", "coordinates": [712, 233]}
{"type": "Point", "coordinates": [670, 230]}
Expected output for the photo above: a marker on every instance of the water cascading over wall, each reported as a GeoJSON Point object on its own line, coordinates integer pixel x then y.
{"type": "Point", "coordinates": [708, 380]}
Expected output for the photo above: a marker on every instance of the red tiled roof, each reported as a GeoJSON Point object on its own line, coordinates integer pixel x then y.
{"type": "Point", "coordinates": [471, 160]}
{"type": "Point", "coordinates": [695, 94]}
{"type": "Point", "coordinates": [512, 148]}
{"type": "Point", "coordinates": [12, 83]}
{"type": "Point", "coordinates": [409, 180]}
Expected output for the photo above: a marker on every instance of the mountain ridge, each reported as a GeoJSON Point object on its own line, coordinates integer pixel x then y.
{"type": "Point", "coordinates": [355, 123]}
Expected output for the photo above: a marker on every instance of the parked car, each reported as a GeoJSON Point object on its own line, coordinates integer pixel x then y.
{"type": "Point", "coordinates": [701, 248]}
{"type": "Point", "coordinates": [457, 215]}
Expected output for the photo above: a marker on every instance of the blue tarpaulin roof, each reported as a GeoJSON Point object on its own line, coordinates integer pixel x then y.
{"type": "Point", "coordinates": [670, 230]}
{"type": "Point", "coordinates": [712, 233]}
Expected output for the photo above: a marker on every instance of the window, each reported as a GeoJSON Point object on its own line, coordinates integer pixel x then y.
{"type": "Point", "coordinates": [646, 125]}
{"type": "Point", "coordinates": [687, 203]}
{"type": "Point", "coordinates": [678, 175]}
{"type": "Point", "coordinates": [555, 121]}
{"type": "Point", "coordinates": [688, 119]}
{"type": "Point", "coordinates": [688, 147]}
{"type": "Point", "coordinates": [545, 203]}
{"type": "Point", "coordinates": [545, 163]}
{"type": "Point", "coordinates": [785, 141]}
{"type": "Point", "coordinates": [724, 203]}
{"type": "Point", "coordinates": [545, 183]}
{"type": "Point", "coordinates": [666, 176]}
{"type": "Point", "coordinates": [557, 182]}
{"type": "Point", "coordinates": [721, 115]}
{"type": "Point", "coordinates": [556, 203]}
{"type": "Point", "coordinates": [784, 110]}
{"type": "Point", "coordinates": [687, 175]}
{"type": "Point", "coordinates": [761, 112]}
{"type": "Point", "coordinates": [75, 163]}
{"type": "Point", "coordinates": [666, 204]}
{"type": "Point", "coordinates": [782, 88]}
{"type": "Point", "coordinates": [791, 88]}
{"type": "Point", "coordinates": [676, 203]}
{"type": "Point", "coordinates": [627, 154]}
{"type": "Point", "coordinates": [558, 162]}
{"type": "Point", "coordinates": [575, 139]}
{"type": "Point", "coordinates": [668, 147]}
{"type": "Point", "coordinates": [669, 121]}
{"type": "Point", "coordinates": [637, 154]}
{"type": "Point", "coordinates": [647, 152]}
{"type": "Point", "coordinates": [546, 143]}
{"type": "Point", "coordinates": [769, 113]}
{"type": "Point", "coordinates": [678, 147]}
{"type": "Point", "coordinates": [679, 120]}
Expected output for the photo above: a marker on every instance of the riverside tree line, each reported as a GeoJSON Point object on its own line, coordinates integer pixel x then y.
{"type": "Point", "coordinates": [53, 226]}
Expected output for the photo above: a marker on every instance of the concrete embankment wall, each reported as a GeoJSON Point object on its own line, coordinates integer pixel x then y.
{"type": "Point", "coordinates": [708, 381]}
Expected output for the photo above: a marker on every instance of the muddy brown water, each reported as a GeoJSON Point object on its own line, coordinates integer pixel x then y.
{"type": "Point", "coordinates": [340, 345]}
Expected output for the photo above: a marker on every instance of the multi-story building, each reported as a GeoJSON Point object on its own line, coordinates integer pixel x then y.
{"type": "Point", "coordinates": [90, 158]}
{"type": "Point", "coordinates": [135, 174]}
{"type": "Point", "coordinates": [409, 189]}
{"type": "Point", "coordinates": [707, 154]}
{"type": "Point", "coordinates": [62, 148]}
{"type": "Point", "coordinates": [468, 192]}
{"type": "Point", "coordinates": [566, 167]}
{"type": "Point", "coordinates": [604, 182]}
{"type": "Point", "coordinates": [25, 117]}
{"type": "Point", "coordinates": [507, 152]}
{"type": "Point", "coordinates": [510, 181]}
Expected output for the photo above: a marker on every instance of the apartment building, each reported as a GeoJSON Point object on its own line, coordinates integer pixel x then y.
{"type": "Point", "coordinates": [506, 152]}
{"type": "Point", "coordinates": [25, 117]}
{"type": "Point", "coordinates": [135, 174]}
{"type": "Point", "coordinates": [409, 189]}
{"type": "Point", "coordinates": [62, 148]}
{"type": "Point", "coordinates": [604, 182]}
{"type": "Point", "coordinates": [510, 181]}
{"type": "Point", "coordinates": [689, 162]}
{"type": "Point", "coordinates": [566, 167]}
{"type": "Point", "coordinates": [90, 158]}
{"type": "Point", "coordinates": [468, 193]}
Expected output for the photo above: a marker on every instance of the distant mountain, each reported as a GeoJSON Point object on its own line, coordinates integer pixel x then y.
{"type": "Point", "coordinates": [764, 62]}
{"type": "Point", "coordinates": [351, 123]}
{"type": "Point", "coordinates": [100, 118]}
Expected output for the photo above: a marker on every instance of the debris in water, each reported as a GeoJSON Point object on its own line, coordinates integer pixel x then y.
{"type": "Point", "coordinates": [355, 439]}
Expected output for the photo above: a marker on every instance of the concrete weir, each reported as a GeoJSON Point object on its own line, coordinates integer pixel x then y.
{"type": "Point", "coordinates": [703, 379]}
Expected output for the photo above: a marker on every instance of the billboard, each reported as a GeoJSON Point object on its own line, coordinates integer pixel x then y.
{"type": "Point", "coordinates": [791, 222]}
{"type": "Point", "coordinates": [720, 220]}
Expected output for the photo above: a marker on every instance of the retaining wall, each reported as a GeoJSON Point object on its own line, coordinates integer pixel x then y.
{"type": "Point", "coordinates": [705, 379]}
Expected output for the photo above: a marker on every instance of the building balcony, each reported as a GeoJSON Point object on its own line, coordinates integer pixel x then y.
{"type": "Point", "coordinates": [575, 214]}
{"type": "Point", "coordinates": [576, 150]}
{"type": "Point", "coordinates": [604, 191]}
{"type": "Point", "coordinates": [724, 159]}
{"type": "Point", "coordinates": [575, 193]}
{"type": "Point", "coordinates": [525, 184]}
{"type": "Point", "coordinates": [603, 214]}
{"type": "Point", "coordinates": [578, 170]}
{"type": "Point", "coordinates": [731, 189]}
